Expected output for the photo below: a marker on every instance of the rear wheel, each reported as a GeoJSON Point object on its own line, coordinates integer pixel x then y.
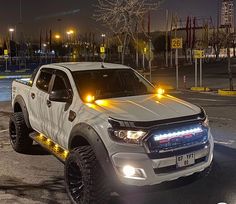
{"type": "Point", "coordinates": [19, 133]}
{"type": "Point", "coordinates": [85, 180]}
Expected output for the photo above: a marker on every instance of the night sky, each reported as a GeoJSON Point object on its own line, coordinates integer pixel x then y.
{"type": "Point", "coordinates": [32, 10]}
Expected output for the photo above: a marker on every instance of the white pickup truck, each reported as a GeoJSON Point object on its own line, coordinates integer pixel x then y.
{"type": "Point", "coordinates": [110, 127]}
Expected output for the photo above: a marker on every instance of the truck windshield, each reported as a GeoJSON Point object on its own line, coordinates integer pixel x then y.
{"type": "Point", "coordinates": [111, 83]}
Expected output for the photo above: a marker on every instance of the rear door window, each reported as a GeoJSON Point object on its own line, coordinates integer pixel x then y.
{"type": "Point", "coordinates": [61, 82]}
{"type": "Point", "coordinates": [43, 80]}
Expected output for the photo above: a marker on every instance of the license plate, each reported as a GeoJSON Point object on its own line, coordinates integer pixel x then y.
{"type": "Point", "coordinates": [185, 160]}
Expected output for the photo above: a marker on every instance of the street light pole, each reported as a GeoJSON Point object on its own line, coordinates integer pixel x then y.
{"type": "Point", "coordinates": [103, 45]}
{"type": "Point", "coordinates": [150, 60]}
{"type": "Point", "coordinates": [167, 23]}
{"type": "Point", "coordinates": [11, 30]}
{"type": "Point", "coordinates": [20, 11]}
{"type": "Point", "coordinates": [103, 39]}
{"type": "Point", "coordinates": [70, 34]}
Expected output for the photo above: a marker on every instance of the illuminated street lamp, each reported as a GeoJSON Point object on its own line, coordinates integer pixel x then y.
{"type": "Point", "coordinates": [11, 31]}
{"type": "Point", "coordinates": [103, 39]}
{"type": "Point", "coordinates": [57, 37]}
{"type": "Point", "coordinates": [70, 36]}
{"type": "Point", "coordinates": [70, 32]}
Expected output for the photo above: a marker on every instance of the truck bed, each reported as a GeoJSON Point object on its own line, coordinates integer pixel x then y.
{"type": "Point", "coordinates": [25, 81]}
{"type": "Point", "coordinates": [21, 87]}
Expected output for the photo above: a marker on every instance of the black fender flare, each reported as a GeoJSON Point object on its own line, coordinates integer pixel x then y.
{"type": "Point", "coordinates": [19, 99]}
{"type": "Point", "coordinates": [88, 133]}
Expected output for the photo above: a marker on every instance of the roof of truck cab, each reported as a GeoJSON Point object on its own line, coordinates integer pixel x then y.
{"type": "Point", "coordinates": [83, 66]}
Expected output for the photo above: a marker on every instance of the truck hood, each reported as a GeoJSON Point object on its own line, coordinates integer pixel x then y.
{"type": "Point", "coordinates": [146, 108]}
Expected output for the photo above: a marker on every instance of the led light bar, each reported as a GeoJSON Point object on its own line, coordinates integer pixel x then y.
{"type": "Point", "coordinates": [53, 147]}
{"type": "Point", "coordinates": [178, 134]}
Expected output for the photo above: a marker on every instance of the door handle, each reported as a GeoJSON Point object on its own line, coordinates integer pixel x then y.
{"type": "Point", "coordinates": [49, 103]}
{"type": "Point", "coordinates": [33, 95]}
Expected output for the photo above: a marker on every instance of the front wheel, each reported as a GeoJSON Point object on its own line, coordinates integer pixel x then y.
{"type": "Point", "coordinates": [84, 178]}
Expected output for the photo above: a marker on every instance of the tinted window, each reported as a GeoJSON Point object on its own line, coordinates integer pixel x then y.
{"type": "Point", "coordinates": [44, 80]}
{"type": "Point", "coordinates": [111, 83]}
{"type": "Point", "coordinates": [59, 84]}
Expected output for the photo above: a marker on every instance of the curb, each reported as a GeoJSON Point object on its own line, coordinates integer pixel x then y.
{"type": "Point", "coordinates": [200, 89]}
{"type": "Point", "coordinates": [22, 71]}
{"type": "Point", "coordinates": [15, 77]}
{"type": "Point", "coordinates": [226, 93]}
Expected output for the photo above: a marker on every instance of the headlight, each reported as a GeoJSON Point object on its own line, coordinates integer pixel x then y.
{"type": "Point", "coordinates": [128, 136]}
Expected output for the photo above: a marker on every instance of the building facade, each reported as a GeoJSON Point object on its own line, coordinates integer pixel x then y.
{"type": "Point", "coordinates": [227, 13]}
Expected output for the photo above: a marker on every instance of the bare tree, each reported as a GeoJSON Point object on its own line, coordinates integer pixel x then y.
{"type": "Point", "coordinates": [224, 38]}
{"type": "Point", "coordinates": [124, 17]}
{"type": "Point", "coordinates": [217, 41]}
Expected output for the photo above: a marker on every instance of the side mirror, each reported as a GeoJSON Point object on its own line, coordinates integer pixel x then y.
{"type": "Point", "coordinates": [63, 96]}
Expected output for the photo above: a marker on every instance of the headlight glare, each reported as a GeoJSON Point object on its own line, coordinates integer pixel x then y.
{"type": "Point", "coordinates": [129, 136]}
{"type": "Point", "coordinates": [135, 135]}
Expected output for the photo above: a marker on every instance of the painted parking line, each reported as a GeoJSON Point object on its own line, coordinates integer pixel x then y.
{"type": "Point", "coordinates": [229, 142]}
{"type": "Point", "coordinates": [207, 99]}
{"type": "Point", "coordinates": [219, 118]}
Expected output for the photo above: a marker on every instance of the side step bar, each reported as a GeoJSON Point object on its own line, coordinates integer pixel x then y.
{"type": "Point", "coordinates": [50, 146]}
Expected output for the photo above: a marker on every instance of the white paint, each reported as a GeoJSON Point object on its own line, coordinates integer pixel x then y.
{"type": "Point", "coordinates": [206, 99]}
{"type": "Point", "coordinates": [218, 118]}
{"type": "Point", "coordinates": [2, 131]}
{"type": "Point", "coordinates": [229, 142]}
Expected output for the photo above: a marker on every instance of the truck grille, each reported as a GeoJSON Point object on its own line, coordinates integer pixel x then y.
{"type": "Point", "coordinates": [174, 139]}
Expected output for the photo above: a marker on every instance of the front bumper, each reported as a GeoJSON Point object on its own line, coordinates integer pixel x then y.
{"type": "Point", "coordinates": [164, 169]}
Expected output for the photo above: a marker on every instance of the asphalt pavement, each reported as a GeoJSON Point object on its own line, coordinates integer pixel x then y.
{"type": "Point", "coordinates": [215, 75]}
{"type": "Point", "coordinates": [38, 178]}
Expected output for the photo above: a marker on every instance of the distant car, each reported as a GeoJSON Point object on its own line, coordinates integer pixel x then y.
{"type": "Point", "coordinates": [110, 127]}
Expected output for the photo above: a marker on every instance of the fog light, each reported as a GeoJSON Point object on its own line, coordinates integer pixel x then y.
{"type": "Point", "coordinates": [133, 173]}
{"type": "Point", "coordinates": [128, 171]}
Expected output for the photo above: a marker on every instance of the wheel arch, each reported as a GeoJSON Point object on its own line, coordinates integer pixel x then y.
{"type": "Point", "coordinates": [86, 134]}
{"type": "Point", "coordinates": [19, 105]}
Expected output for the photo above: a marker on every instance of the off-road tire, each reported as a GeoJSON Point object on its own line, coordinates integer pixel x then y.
{"type": "Point", "coordinates": [84, 178]}
{"type": "Point", "coordinates": [19, 133]}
